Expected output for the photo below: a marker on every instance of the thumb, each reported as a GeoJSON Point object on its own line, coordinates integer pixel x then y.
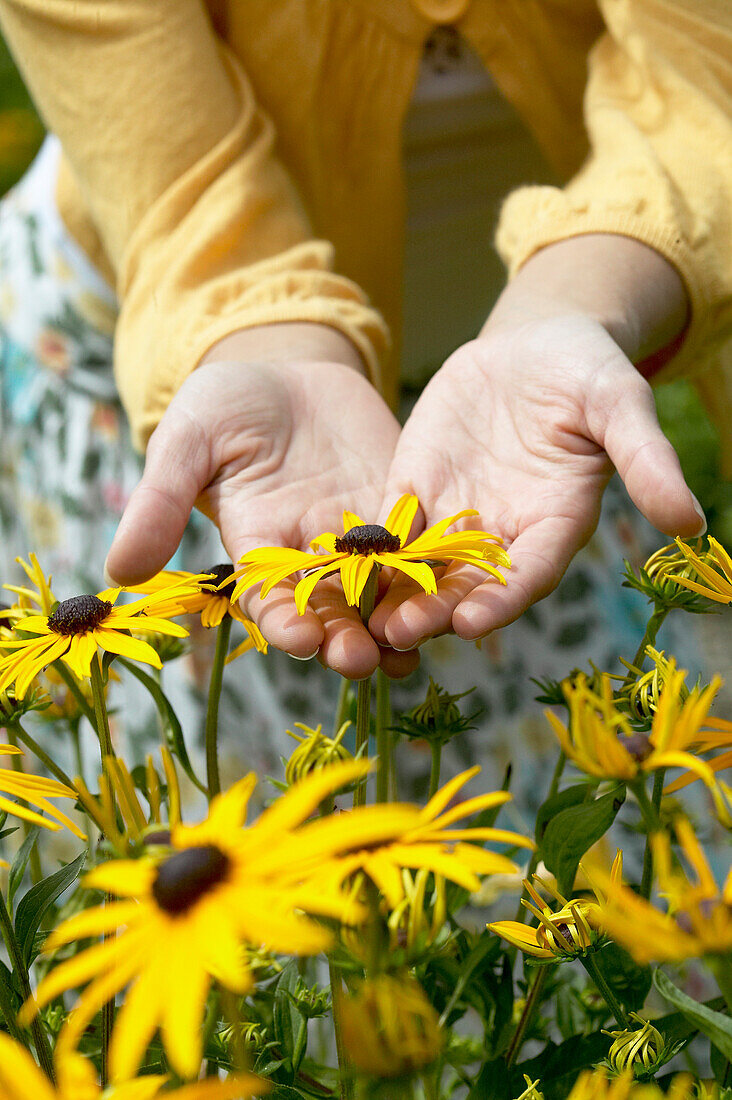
{"type": "Point", "coordinates": [177, 468]}
{"type": "Point", "coordinates": [646, 461]}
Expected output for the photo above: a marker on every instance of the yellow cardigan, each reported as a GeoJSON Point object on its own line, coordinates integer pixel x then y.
{"type": "Point", "coordinates": [239, 163]}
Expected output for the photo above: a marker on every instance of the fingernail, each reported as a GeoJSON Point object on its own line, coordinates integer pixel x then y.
{"type": "Point", "coordinates": [698, 508]}
{"type": "Point", "coordinates": [308, 658]}
{"type": "Point", "coordinates": [412, 645]}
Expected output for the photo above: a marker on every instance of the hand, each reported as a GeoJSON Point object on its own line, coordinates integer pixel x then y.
{"type": "Point", "coordinates": [525, 424]}
{"type": "Point", "coordinates": [272, 452]}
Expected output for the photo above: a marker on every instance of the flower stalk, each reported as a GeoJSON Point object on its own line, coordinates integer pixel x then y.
{"type": "Point", "coordinates": [383, 738]}
{"type": "Point", "coordinates": [40, 1039]}
{"type": "Point", "coordinates": [604, 989]}
{"type": "Point", "coordinates": [657, 794]}
{"type": "Point", "coordinates": [212, 710]}
{"type": "Point", "coordinates": [363, 702]}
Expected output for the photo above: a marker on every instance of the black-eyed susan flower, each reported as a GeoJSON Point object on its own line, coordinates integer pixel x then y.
{"type": "Point", "coordinates": [430, 842]}
{"type": "Point", "coordinates": [187, 914]}
{"type": "Point", "coordinates": [600, 740]}
{"type": "Point", "coordinates": [714, 583]}
{"type": "Point", "coordinates": [38, 597]}
{"type": "Point", "coordinates": [640, 1050]}
{"type": "Point", "coordinates": [565, 930]}
{"type": "Point", "coordinates": [36, 791]}
{"type": "Point", "coordinates": [597, 1084]}
{"type": "Point", "coordinates": [118, 812]}
{"type": "Point", "coordinates": [315, 750]}
{"type": "Point", "coordinates": [80, 626]}
{"type": "Point", "coordinates": [209, 593]}
{"type": "Point", "coordinates": [76, 1079]}
{"type": "Point", "coordinates": [390, 1029]}
{"type": "Point", "coordinates": [698, 917]}
{"type": "Point", "coordinates": [365, 545]}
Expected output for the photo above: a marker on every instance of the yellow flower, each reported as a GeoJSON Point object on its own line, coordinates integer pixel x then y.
{"type": "Point", "coordinates": [636, 1049]}
{"type": "Point", "coordinates": [365, 545]}
{"type": "Point", "coordinates": [565, 932]}
{"type": "Point", "coordinates": [389, 1027]}
{"type": "Point", "coordinates": [39, 597]}
{"type": "Point", "coordinates": [211, 594]}
{"type": "Point", "coordinates": [601, 741]}
{"type": "Point", "coordinates": [718, 584]}
{"type": "Point", "coordinates": [76, 1079]}
{"type": "Point", "coordinates": [430, 843]}
{"type": "Point", "coordinates": [531, 1092]}
{"type": "Point", "coordinates": [118, 798]}
{"type": "Point", "coordinates": [594, 1084]}
{"type": "Point", "coordinates": [35, 790]}
{"type": "Point", "coordinates": [80, 626]}
{"type": "Point", "coordinates": [187, 914]}
{"type": "Point", "coordinates": [315, 751]}
{"type": "Point", "coordinates": [698, 920]}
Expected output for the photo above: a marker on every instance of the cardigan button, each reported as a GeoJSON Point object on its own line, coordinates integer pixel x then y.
{"type": "Point", "coordinates": [442, 11]}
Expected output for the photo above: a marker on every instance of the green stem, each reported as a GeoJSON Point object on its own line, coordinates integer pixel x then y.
{"type": "Point", "coordinates": [300, 1045]}
{"type": "Point", "coordinates": [610, 999]}
{"type": "Point", "coordinates": [107, 751]}
{"type": "Point", "coordinates": [100, 710]}
{"type": "Point", "coordinates": [42, 755]}
{"type": "Point", "coordinates": [78, 754]}
{"type": "Point", "coordinates": [383, 737]}
{"type": "Point", "coordinates": [436, 751]}
{"type": "Point", "coordinates": [76, 691]}
{"type": "Point", "coordinates": [8, 1014]}
{"type": "Point", "coordinates": [647, 880]}
{"type": "Point", "coordinates": [212, 710]}
{"type": "Point", "coordinates": [345, 1077]}
{"type": "Point", "coordinates": [40, 1039]}
{"type": "Point", "coordinates": [649, 638]}
{"type": "Point", "coordinates": [647, 808]}
{"type": "Point", "coordinates": [342, 705]}
{"type": "Point", "coordinates": [363, 702]}
{"type": "Point", "coordinates": [532, 1003]}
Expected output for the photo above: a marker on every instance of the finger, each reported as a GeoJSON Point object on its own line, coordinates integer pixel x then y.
{"type": "Point", "coordinates": [648, 464]}
{"type": "Point", "coordinates": [347, 646]}
{"type": "Point", "coordinates": [177, 467]}
{"type": "Point", "coordinates": [398, 665]}
{"type": "Point", "coordinates": [407, 616]}
{"type": "Point", "coordinates": [539, 559]}
{"type": "Point", "coordinates": [277, 617]}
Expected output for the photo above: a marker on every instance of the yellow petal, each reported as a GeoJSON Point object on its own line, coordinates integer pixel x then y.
{"type": "Point", "coordinates": [350, 520]}
{"type": "Point", "coordinates": [20, 1077]}
{"type": "Point", "coordinates": [124, 877]}
{"type": "Point", "coordinates": [401, 517]}
{"type": "Point", "coordinates": [418, 571]}
{"type": "Point", "coordinates": [126, 646]}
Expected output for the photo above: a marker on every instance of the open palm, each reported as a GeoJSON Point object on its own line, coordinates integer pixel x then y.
{"type": "Point", "coordinates": [525, 424]}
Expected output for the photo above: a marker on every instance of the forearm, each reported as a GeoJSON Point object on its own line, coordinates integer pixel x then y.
{"type": "Point", "coordinates": [304, 341]}
{"type": "Point", "coordinates": [629, 288]}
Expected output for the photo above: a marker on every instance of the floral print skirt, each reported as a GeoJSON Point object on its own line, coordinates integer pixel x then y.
{"type": "Point", "coordinates": [68, 467]}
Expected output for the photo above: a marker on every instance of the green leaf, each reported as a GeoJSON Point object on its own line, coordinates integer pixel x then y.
{"type": "Point", "coordinates": [285, 1017]}
{"type": "Point", "coordinates": [715, 1025]}
{"type": "Point", "coordinates": [487, 945]}
{"type": "Point", "coordinates": [286, 1092]}
{"type": "Point", "coordinates": [492, 1082]}
{"type": "Point", "coordinates": [558, 1066]}
{"type": "Point", "coordinates": [580, 792]}
{"type": "Point", "coordinates": [34, 905]}
{"type": "Point", "coordinates": [20, 863]}
{"type": "Point", "coordinates": [571, 832]}
{"type": "Point", "coordinates": [172, 730]}
{"type": "Point", "coordinates": [629, 981]}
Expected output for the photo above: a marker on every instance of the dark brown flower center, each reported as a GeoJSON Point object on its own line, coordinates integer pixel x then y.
{"type": "Point", "coordinates": [220, 574]}
{"type": "Point", "coordinates": [79, 614]}
{"type": "Point", "coordinates": [370, 538]}
{"type": "Point", "coordinates": [638, 745]}
{"type": "Point", "coordinates": [156, 837]}
{"type": "Point", "coordinates": [185, 877]}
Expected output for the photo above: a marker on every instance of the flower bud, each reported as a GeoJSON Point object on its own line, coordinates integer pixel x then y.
{"type": "Point", "coordinates": [389, 1027]}
{"type": "Point", "coordinates": [315, 751]}
{"type": "Point", "coordinates": [638, 1050]}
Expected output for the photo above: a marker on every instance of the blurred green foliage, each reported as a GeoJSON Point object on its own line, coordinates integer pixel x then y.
{"type": "Point", "coordinates": [21, 131]}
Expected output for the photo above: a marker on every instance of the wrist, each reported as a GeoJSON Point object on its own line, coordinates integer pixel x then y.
{"type": "Point", "coordinates": [618, 282]}
{"type": "Point", "coordinates": [288, 341]}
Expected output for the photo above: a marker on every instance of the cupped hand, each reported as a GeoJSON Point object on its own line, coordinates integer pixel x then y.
{"type": "Point", "coordinates": [525, 424]}
{"type": "Point", "coordinates": [272, 453]}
